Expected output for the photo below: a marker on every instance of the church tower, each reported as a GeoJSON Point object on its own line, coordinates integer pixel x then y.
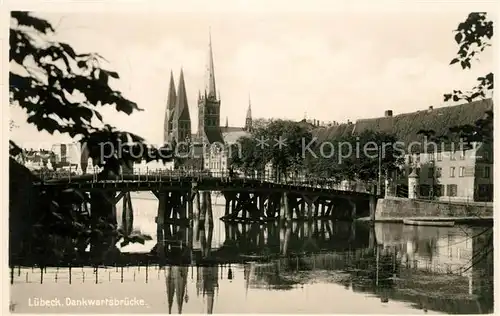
{"type": "Point", "coordinates": [209, 104]}
{"type": "Point", "coordinates": [170, 111]}
{"type": "Point", "coordinates": [248, 119]}
{"type": "Point", "coordinates": [181, 123]}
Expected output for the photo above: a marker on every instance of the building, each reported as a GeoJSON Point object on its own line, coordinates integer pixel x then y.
{"type": "Point", "coordinates": [445, 172]}
{"type": "Point", "coordinates": [177, 124]}
{"type": "Point", "coordinates": [209, 146]}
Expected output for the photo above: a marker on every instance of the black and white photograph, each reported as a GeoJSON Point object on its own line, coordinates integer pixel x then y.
{"type": "Point", "coordinates": [250, 157]}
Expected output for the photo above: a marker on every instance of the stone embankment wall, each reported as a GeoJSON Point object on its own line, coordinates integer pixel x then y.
{"type": "Point", "coordinates": [401, 208]}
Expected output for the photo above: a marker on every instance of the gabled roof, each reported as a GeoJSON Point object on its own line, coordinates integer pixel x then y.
{"type": "Point", "coordinates": [406, 126]}
{"type": "Point", "coordinates": [230, 129]}
{"type": "Point", "coordinates": [233, 136]}
{"type": "Point", "coordinates": [214, 135]}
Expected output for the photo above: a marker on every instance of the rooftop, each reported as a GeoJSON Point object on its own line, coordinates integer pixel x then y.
{"type": "Point", "coordinates": [406, 126]}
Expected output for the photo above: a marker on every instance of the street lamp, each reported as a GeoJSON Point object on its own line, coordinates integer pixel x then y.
{"type": "Point", "coordinates": [379, 184]}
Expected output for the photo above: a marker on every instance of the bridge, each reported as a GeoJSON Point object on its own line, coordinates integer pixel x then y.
{"type": "Point", "coordinates": [186, 196]}
{"type": "Point", "coordinates": [248, 199]}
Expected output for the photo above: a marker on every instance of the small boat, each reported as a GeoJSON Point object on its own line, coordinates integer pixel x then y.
{"type": "Point", "coordinates": [253, 257]}
{"type": "Point", "coordinates": [428, 223]}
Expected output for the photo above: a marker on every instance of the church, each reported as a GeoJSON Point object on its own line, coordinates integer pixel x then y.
{"type": "Point", "coordinates": [209, 146]}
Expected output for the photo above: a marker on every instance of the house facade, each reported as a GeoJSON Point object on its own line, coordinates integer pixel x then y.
{"type": "Point", "coordinates": [449, 175]}
{"type": "Point", "coordinates": [441, 172]}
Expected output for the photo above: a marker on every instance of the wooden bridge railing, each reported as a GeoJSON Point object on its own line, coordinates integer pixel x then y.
{"type": "Point", "coordinates": [158, 175]}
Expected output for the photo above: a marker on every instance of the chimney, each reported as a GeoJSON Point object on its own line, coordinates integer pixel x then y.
{"type": "Point", "coordinates": [431, 108]}
{"type": "Point", "coordinates": [388, 113]}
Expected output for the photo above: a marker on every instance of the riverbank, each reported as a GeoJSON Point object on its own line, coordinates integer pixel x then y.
{"type": "Point", "coordinates": [457, 220]}
{"type": "Point", "coordinates": [396, 210]}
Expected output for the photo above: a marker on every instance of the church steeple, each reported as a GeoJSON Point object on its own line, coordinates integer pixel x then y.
{"type": "Point", "coordinates": [210, 88]}
{"type": "Point", "coordinates": [209, 123]}
{"type": "Point", "coordinates": [182, 121]}
{"type": "Point", "coordinates": [227, 122]}
{"type": "Point", "coordinates": [248, 119]}
{"type": "Point", "coordinates": [170, 110]}
{"type": "Point", "coordinates": [182, 103]}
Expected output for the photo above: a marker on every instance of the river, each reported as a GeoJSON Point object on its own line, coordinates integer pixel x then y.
{"type": "Point", "coordinates": [339, 267]}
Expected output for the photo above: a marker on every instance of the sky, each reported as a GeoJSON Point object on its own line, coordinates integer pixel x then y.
{"type": "Point", "coordinates": [330, 66]}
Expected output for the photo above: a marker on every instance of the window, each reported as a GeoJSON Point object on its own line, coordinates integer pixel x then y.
{"type": "Point", "coordinates": [439, 156]}
{"type": "Point", "coordinates": [486, 172]}
{"type": "Point", "coordinates": [462, 155]}
{"type": "Point", "coordinates": [461, 171]}
{"type": "Point", "coordinates": [452, 155]}
{"type": "Point", "coordinates": [439, 190]}
{"type": "Point", "coordinates": [451, 190]}
{"type": "Point", "coordinates": [439, 171]}
{"type": "Point", "coordinates": [452, 172]}
{"type": "Point", "coordinates": [431, 173]}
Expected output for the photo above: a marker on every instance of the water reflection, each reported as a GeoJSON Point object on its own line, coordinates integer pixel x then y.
{"type": "Point", "coordinates": [292, 267]}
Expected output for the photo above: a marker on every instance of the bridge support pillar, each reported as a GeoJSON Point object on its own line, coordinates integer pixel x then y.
{"type": "Point", "coordinates": [311, 206]}
{"type": "Point", "coordinates": [160, 227]}
{"type": "Point", "coordinates": [190, 206]}
{"type": "Point", "coordinates": [373, 206]}
{"type": "Point", "coordinates": [127, 215]}
{"type": "Point", "coordinates": [286, 207]}
{"type": "Point", "coordinates": [353, 209]}
{"type": "Point", "coordinates": [198, 204]}
{"type": "Point", "coordinates": [206, 208]}
{"type": "Point", "coordinates": [202, 212]}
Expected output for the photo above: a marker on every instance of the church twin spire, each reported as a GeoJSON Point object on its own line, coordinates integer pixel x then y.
{"type": "Point", "coordinates": [177, 110]}
{"type": "Point", "coordinates": [177, 123]}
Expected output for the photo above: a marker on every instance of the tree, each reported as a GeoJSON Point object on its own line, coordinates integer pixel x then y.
{"type": "Point", "coordinates": [278, 142]}
{"type": "Point", "coordinates": [473, 36]}
{"type": "Point", "coordinates": [62, 90]}
{"type": "Point", "coordinates": [343, 161]}
{"type": "Point", "coordinates": [246, 155]}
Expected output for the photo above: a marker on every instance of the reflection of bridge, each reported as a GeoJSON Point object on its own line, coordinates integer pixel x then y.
{"type": "Point", "coordinates": [261, 242]}
{"type": "Point", "coordinates": [184, 197]}
{"type": "Point", "coordinates": [343, 255]}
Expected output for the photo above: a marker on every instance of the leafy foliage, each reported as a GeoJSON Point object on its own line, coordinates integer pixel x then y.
{"type": "Point", "coordinates": [63, 90]}
{"type": "Point", "coordinates": [473, 36]}
{"type": "Point", "coordinates": [278, 142]}
{"type": "Point", "coordinates": [343, 161]}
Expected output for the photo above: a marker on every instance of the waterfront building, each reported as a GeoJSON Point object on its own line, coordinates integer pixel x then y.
{"type": "Point", "coordinates": [444, 171]}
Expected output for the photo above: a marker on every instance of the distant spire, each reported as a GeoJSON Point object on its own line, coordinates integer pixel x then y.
{"type": "Point", "coordinates": [171, 93]}
{"type": "Point", "coordinates": [227, 122]}
{"type": "Point", "coordinates": [248, 119]}
{"type": "Point", "coordinates": [181, 105]}
{"type": "Point", "coordinates": [210, 88]}
{"type": "Point", "coordinates": [249, 111]}
{"type": "Point", "coordinates": [170, 110]}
